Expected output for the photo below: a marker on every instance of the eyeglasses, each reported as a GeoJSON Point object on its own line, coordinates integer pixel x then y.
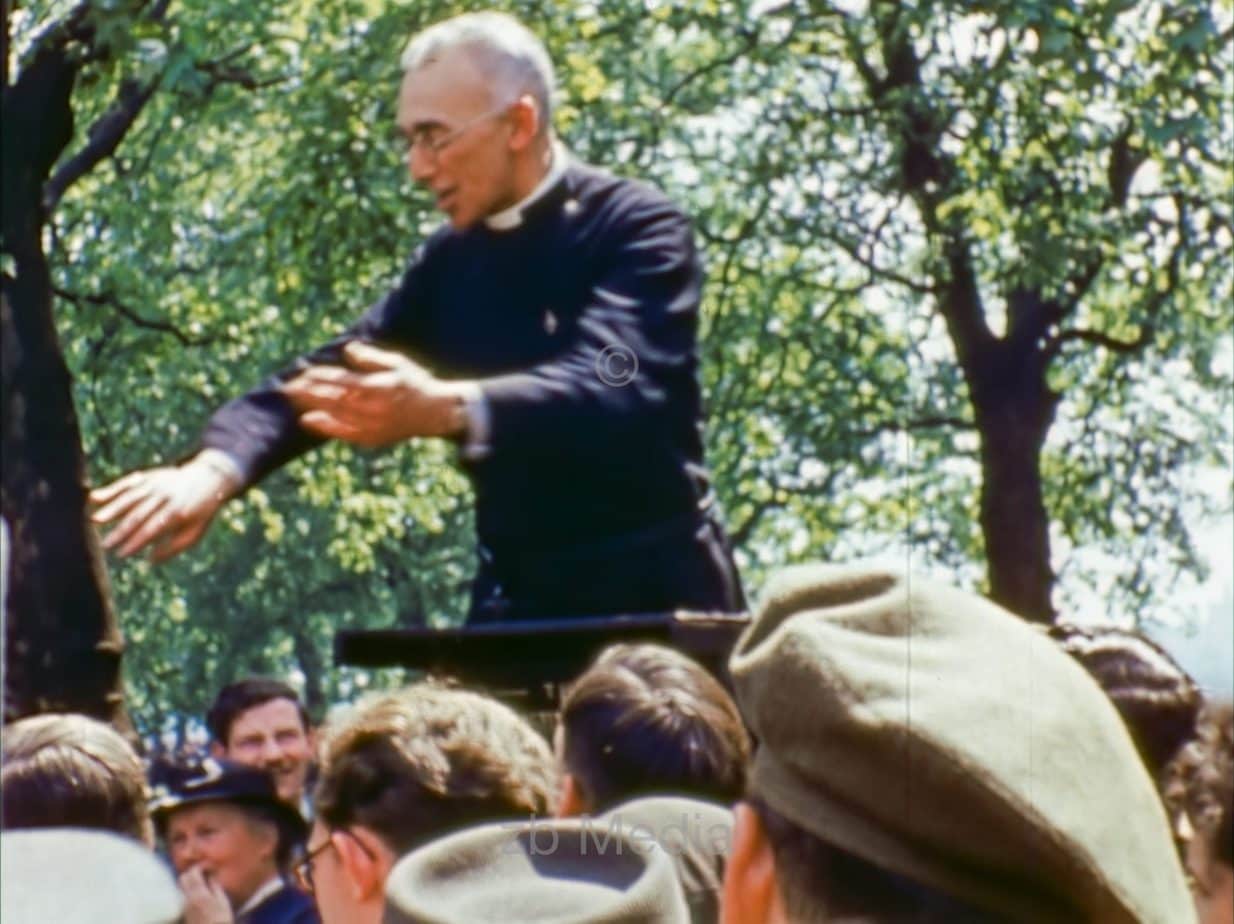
{"type": "Point", "coordinates": [433, 139]}
{"type": "Point", "coordinates": [304, 869]}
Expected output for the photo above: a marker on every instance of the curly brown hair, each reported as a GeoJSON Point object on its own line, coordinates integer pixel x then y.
{"type": "Point", "coordinates": [1158, 700]}
{"type": "Point", "coordinates": [1200, 782]}
{"type": "Point", "coordinates": [427, 760]}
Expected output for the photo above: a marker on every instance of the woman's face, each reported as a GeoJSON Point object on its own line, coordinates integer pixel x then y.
{"type": "Point", "coordinates": [232, 847]}
{"type": "Point", "coordinates": [1212, 882]}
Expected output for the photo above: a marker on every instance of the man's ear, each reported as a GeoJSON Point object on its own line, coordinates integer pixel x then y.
{"type": "Point", "coordinates": [527, 119]}
{"type": "Point", "coordinates": [366, 869]}
{"type": "Point", "coordinates": [217, 751]}
{"type": "Point", "coordinates": [571, 802]}
{"type": "Point", "coordinates": [751, 894]}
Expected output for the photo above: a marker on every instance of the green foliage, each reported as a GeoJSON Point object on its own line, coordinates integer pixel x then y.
{"type": "Point", "coordinates": [260, 202]}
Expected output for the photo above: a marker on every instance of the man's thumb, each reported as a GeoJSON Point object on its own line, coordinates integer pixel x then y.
{"type": "Point", "coordinates": [364, 357]}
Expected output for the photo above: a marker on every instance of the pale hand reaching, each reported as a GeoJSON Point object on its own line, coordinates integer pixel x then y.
{"type": "Point", "coordinates": [167, 508]}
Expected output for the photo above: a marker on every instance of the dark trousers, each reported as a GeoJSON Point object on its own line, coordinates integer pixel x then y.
{"type": "Point", "coordinates": [683, 563]}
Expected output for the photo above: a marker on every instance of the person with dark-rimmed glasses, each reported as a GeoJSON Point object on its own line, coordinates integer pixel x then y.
{"type": "Point", "coordinates": [405, 768]}
{"type": "Point", "coordinates": [304, 869]}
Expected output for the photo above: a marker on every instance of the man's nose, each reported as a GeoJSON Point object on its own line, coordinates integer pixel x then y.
{"type": "Point", "coordinates": [271, 750]}
{"type": "Point", "coordinates": [421, 163]}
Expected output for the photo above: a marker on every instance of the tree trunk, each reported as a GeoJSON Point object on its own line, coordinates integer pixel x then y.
{"type": "Point", "coordinates": [1014, 410]}
{"type": "Point", "coordinates": [63, 647]}
{"type": "Point", "coordinates": [1006, 376]}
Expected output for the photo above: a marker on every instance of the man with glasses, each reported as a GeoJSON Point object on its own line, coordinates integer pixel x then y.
{"type": "Point", "coordinates": [549, 328]}
{"type": "Point", "coordinates": [404, 769]}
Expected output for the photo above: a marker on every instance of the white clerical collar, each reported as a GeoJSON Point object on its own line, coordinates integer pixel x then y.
{"type": "Point", "coordinates": [271, 886]}
{"type": "Point", "coordinates": [508, 219]}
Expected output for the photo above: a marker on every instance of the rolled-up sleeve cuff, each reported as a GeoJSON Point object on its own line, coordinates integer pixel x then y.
{"type": "Point", "coordinates": [475, 445]}
{"type": "Point", "coordinates": [223, 463]}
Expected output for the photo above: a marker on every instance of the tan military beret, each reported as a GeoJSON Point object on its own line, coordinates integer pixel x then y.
{"type": "Point", "coordinates": [575, 871]}
{"type": "Point", "coordinates": [936, 735]}
{"type": "Point", "coordinates": [697, 835]}
{"type": "Point", "coordinates": [78, 876]}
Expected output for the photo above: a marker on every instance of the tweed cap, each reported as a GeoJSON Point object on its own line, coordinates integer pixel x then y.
{"type": "Point", "coordinates": [934, 734]}
{"type": "Point", "coordinates": [79, 876]}
{"type": "Point", "coordinates": [572, 871]}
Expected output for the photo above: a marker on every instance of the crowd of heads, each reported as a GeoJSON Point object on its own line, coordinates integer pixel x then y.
{"type": "Point", "coordinates": [877, 748]}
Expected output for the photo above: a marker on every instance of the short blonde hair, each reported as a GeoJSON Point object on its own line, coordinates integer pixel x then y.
{"type": "Point", "coordinates": [67, 770]}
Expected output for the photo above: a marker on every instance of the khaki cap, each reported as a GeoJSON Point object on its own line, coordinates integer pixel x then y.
{"type": "Point", "coordinates": [573, 871]}
{"type": "Point", "coordinates": [80, 876]}
{"type": "Point", "coordinates": [932, 733]}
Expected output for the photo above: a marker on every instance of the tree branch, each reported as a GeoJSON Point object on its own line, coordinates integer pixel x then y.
{"type": "Point", "coordinates": [1103, 340]}
{"type": "Point", "coordinates": [1081, 283]}
{"type": "Point", "coordinates": [924, 173]}
{"type": "Point", "coordinates": [741, 534]}
{"type": "Point", "coordinates": [1123, 164]}
{"type": "Point", "coordinates": [857, 55]}
{"type": "Point", "coordinates": [960, 304]}
{"type": "Point", "coordinates": [751, 39]}
{"type": "Point", "coordinates": [104, 136]}
{"type": "Point", "coordinates": [920, 423]}
{"type": "Point", "coordinates": [221, 72]}
{"type": "Point", "coordinates": [880, 272]}
{"type": "Point", "coordinates": [1147, 329]}
{"type": "Point", "coordinates": [70, 27]}
{"type": "Point", "coordinates": [110, 300]}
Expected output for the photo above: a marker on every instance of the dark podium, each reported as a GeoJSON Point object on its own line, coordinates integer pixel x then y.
{"type": "Point", "coordinates": [528, 661]}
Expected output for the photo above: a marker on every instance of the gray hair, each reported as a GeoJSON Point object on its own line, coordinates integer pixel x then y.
{"type": "Point", "coordinates": [506, 52]}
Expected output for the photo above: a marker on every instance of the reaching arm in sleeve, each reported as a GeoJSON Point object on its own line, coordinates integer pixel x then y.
{"type": "Point", "coordinates": [259, 431]}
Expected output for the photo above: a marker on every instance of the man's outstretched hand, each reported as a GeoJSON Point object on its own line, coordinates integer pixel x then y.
{"type": "Point", "coordinates": [166, 508]}
{"type": "Point", "coordinates": [381, 397]}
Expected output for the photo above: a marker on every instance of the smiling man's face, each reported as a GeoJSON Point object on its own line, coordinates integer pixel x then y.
{"type": "Point", "coordinates": [459, 138]}
{"type": "Point", "coordinates": [272, 736]}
